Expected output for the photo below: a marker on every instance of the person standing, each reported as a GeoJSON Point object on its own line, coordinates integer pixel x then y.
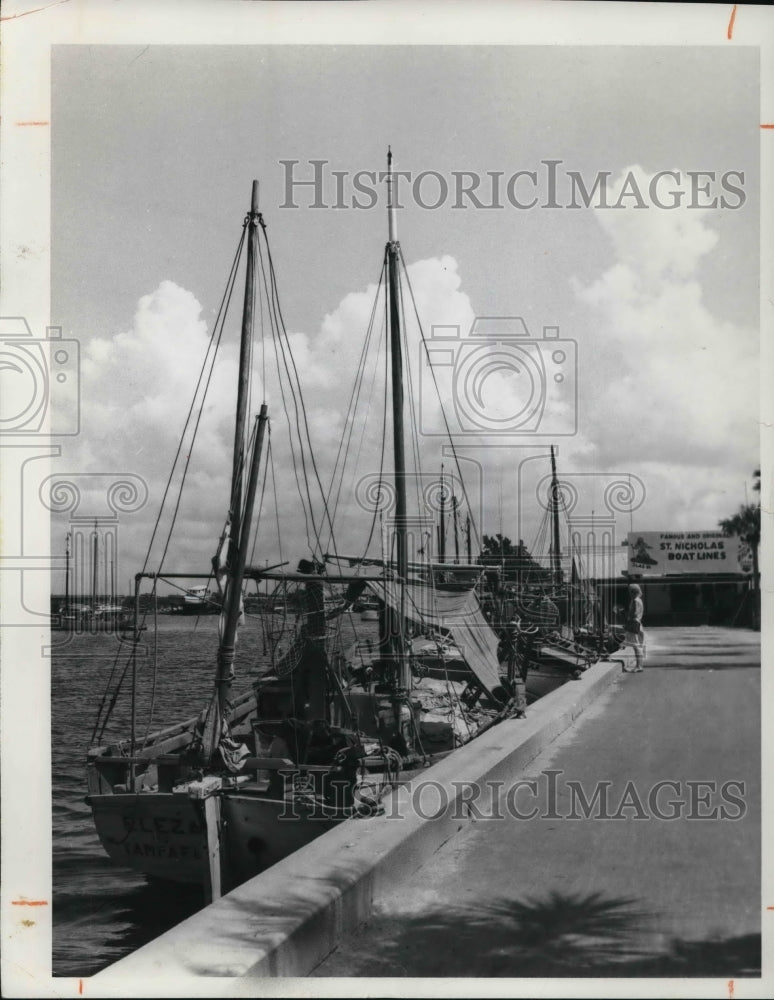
{"type": "Point", "coordinates": [635, 634]}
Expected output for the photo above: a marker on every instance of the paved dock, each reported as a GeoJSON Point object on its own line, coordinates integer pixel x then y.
{"type": "Point", "coordinates": [635, 851]}
{"type": "Point", "coordinates": [617, 834]}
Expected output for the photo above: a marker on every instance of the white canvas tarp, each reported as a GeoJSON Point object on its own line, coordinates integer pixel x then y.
{"type": "Point", "coordinates": [456, 612]}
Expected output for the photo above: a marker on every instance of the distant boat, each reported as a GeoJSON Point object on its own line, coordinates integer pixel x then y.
{"type": "Point", "coordinates": [368, 608]}
{"type": "Point", "coordinates": [88, 618]}
{"type": "Point", "coordinates": [195, 601]}
{"type": "Point", "coordinates": [561, 628]}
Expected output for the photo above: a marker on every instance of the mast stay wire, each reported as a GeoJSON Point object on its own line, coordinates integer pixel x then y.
{"type": "Point", "coordinates": [282, 347]}
{"type": "Point", "coordinates": [440, 400]}
{"type": "Point", "coordinates": [212, 348]}
{"type": "Point", "coordinates": [282, 329]}
{"type": "Point", "coordinates": [349, 421]}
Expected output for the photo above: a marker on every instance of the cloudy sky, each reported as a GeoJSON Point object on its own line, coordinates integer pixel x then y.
{"type": "Point", "coordinates": [655, 297]}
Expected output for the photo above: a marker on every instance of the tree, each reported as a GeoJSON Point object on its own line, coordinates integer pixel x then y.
{"type": "Point", "coordinates": [746, 526]}
{"type": "Point", "coordinates": [497, 545]}
{"type": "Point", "coordinates": [515, 560]}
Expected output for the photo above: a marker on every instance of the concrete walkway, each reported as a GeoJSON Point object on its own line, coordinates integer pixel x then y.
{"type": "Point", "coordinates": [645, 879]}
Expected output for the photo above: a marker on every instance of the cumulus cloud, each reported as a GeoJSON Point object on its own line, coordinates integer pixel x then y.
{"type": "Point", "coordinates": [137, 387]}
{"type": "Point", "coordinates": [664, 381]}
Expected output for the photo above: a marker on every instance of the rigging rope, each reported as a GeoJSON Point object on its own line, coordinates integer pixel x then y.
{"type": "Point", "coordinates": [443, 411]}
{"type": "Point", "coordinates": [217, 333]}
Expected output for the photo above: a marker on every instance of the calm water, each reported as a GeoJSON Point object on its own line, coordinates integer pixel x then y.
{"type": "Point", "coordinates": [102, 912]}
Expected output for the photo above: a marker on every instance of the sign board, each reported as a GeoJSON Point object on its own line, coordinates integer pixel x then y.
{"type": "Point", "coordinates": [665, 553]}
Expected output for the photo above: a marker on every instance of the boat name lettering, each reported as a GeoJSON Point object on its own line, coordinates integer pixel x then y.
{"type": "Point", "coordinates": [179, 853]}
{"type": "Point", "coordinates": [172, 825]}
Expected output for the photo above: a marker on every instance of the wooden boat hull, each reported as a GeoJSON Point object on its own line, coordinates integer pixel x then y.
{"type": "Point", "coordinates": [164, 835]}
{"type": "Point", "coordinates": [161, 835]}
{"type": "Point", "coordinates": [262, 831]}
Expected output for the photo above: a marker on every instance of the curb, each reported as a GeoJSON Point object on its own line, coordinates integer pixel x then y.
{"type": "Point", "coordinates": [287, 920]}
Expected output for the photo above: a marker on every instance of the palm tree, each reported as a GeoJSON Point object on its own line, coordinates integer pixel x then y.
{"type": "Point", "coordinates": [746, 526]}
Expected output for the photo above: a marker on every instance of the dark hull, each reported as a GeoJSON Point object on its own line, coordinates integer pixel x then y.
{"type": "Point", "coordinates": [162, 835]}
{"type": "Point", "coordinates": [194, 609]}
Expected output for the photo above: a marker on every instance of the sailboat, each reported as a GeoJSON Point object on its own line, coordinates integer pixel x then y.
{"type": "Point", "coordinates": [66, 618]}
{"type": "Point", "coordinates": [326, 729]}
{"type": "Point", "coordinates": [559, 616]}
{"type": "Point", "coordinates": [101, 613]}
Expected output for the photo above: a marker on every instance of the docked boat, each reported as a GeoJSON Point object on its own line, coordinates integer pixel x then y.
{"type": "Point", "coordinates": [368, 608]}
{"type": "Point", "coordinates": [558, 619]}
{"type": "Point", "coordinates": [194, 601]}
{"type": "Point", "coordinates": [95, 616]}
{"type": "Point", "coordinates": [327, 727]}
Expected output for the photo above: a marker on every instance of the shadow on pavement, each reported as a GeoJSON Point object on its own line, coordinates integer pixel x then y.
{"type": "Point", "coordinates": [558, 935]}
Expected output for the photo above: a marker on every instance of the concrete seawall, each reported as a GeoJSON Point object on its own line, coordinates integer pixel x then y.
{"type": "Point", "coordinates": [285, 921]}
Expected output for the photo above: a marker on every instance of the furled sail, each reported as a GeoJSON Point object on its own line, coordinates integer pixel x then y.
{"type": "Point", "coordinates": [458, 613]}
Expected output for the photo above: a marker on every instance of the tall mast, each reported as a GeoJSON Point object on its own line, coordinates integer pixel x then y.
{"type": "Point", "coordinates": [233, 597]}
{"type": "Point", "coordinates": [240, 530]}
{"type": "Point", "coordinates": [67, 572]}
{"type": "Point", "coordinates": [467, 539]}
{"type": "Point", "coordinates": [557, 554]}
{"type": "Point", "coordinates": [252, 221]}
{"type": "Point", "coordinates": [442, 525]}
{"type": "Point", "coordinates": [393, 255]}
{"type": "Point", "coordinates": [94, 554]}
{"type": "Point", "coordinates": [455, 515]}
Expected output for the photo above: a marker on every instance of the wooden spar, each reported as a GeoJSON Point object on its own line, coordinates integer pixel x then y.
{"type": "Point", "coordinates": [239, 529]}
{"type": "Point", "coordinates": [268, 573]}
{"type": "Point", "coordinates": [133, 731]}
{"type": "Point", "coordinates": [442, 525]}
{"type": "Point", "coordinates": [455, 515]}
{"type": "Point", "coordinates": [467, 538]}
{"type": "Point", "coordinates": [557, 560]}
{"type": "Point", "coordinates": [257, 573]}
{"type": "Point", "coordinates": [361, 561]}
{"type": "Point", "coordinates": [233, 600]}
{"type": "Point", "coordinates": [213, 876]}
{"type": "Point", "coordinates": [94, 556]}
{"type": "Point", "coordinates": [67, 573]}
{"type": "Point", "coordinates": [393, 253]}
{"type": "Point", "coordinates": [243, 386]}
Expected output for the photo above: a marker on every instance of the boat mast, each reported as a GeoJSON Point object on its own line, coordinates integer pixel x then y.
{"type": "Point", "coordinates": [442, 525]}
{"type": "Point", "coordinates": [557, 555]}
{"type": "Point", "coordinates": [240, 529]}
{"type": "Point", "coordinates": [455, 515]}
{"type": "Point", "coordinates": [393, 255]}
{"type": "Point", "coordinates": [94, 554]}
{"type": "Point", "coordinates": [67, 573]}
{"type": "Point", "coordinates": [252, 221]}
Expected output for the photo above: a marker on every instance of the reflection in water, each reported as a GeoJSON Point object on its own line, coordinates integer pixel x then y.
{"type": "Point", "coordinates": [102, 912]}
